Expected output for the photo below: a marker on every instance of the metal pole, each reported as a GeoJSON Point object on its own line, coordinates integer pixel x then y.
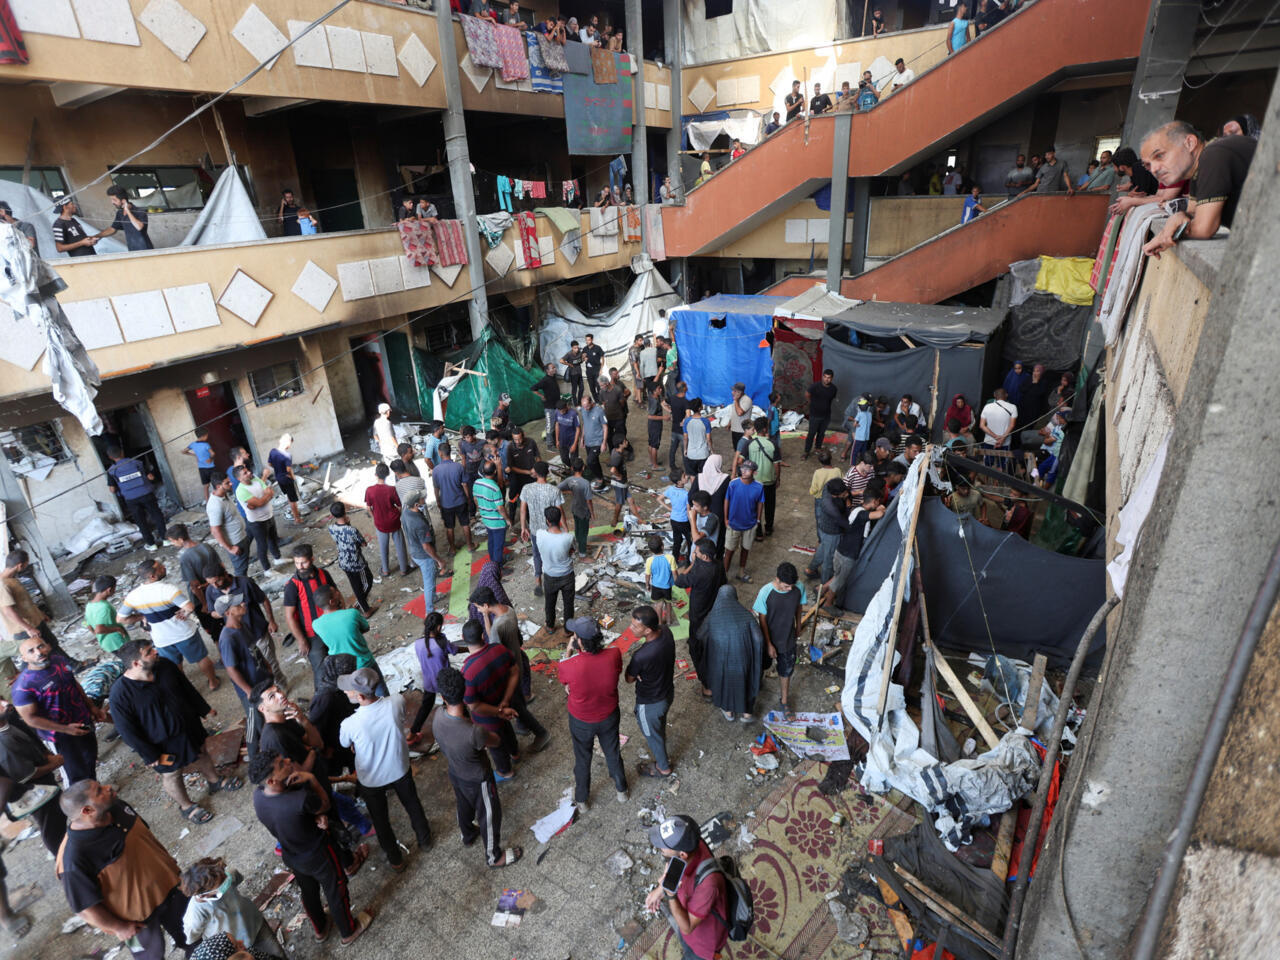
{"type": "Point", "coordinates": [1052, 747]}
{"type": "Point", "coordinates": [861, 224]}
{"type": "Point", "coordinates": [639, 133]}
{"type": "Point", "coordinates": [672, 39]}
{"type": "Point", "coordinates": [839, 198]}
{"type": "Point", "coordinates": [464, 198]}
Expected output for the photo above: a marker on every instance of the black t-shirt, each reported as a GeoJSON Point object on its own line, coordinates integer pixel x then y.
{"type": "Point", "coordinates": [69, 231]}
{"type": "Point", "coordinates": [611, 400]}
{"type": "Point", "coordinates": [595, 356]}
{"type": "Point", "coordinates": [88, 852]}
{"type": "Point", "coordinates": [679, 406]}
{"type": "Point", "coordinates": [288, 738]}
{"type": "Point", "coordinates": [795, 103]}
{"type": "Point", "coordinates": [1142, 180]}
{"type": "Point", "coordinates": [653, 665]}
{"type": "Point", "coordinates": [255, 621]}
{"type": "Point", "coordinates": [549, 387]}
{"type": "Point", "coordinates": [821, 397]}
{"type": "Point", "coordinates": [523, 456]}
{"type": "Point", "coordinates": [406, 213]}
{"type": "Point", "coordinates": [1224, 164]}
{"type": "Point", "coordinates": [574, 361]}
{"type": "Point", "coordinates": [1034, 402]}
{"type": "Point", "coordinates": [134, 238]}
{"type": "Point", "coordinates": [290, 226]}
{"type": "Point", "coordinates": [820, 104]}
{"type": "Point", "coordinates": [291, 818]}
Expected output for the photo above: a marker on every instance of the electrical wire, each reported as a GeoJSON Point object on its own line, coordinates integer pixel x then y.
{"type": "Point", "coordinates": [1239, 50]}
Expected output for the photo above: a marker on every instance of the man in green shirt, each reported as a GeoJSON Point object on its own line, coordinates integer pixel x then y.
{"type": "Point", "coordinates": [342, 630]}
{"type": "Point", "coordinates": [489, 501]}
{"type": "Point", "coordinates": [100, 616]}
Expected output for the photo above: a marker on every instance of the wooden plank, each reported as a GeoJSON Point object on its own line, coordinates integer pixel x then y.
{"type": "Point", "coordinates": [1008, 823]}
{"type": "Point", "coordinates": [944, 907]}
{"type": "Point", "coordinates": [966, 701]}
{"type": "Point", "coordinates": [907, 546]}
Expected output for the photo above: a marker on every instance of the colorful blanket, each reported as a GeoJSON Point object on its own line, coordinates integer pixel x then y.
{"type": "Point", "coordinates": [545, 80]}
{"type": "Point", "coordinates": [481, 42]}
{"type": "Point", "coordinates": [604, 69]}
{"type": "Point", "coordinates": [552, 54]}
{"type": "Point", "coordinates": [527, 225]}
{"type": "Point", "coordinates": [512, 50]}
{"type": "Point", "coordinates": [451, 246]}
{"type": "Point", "coordinates": [419, 242]}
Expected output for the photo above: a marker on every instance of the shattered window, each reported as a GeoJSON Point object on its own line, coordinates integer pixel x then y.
{"type": "Point", "coordinates": [34, 450]}
{"type": "Point", "coordinates": [278, 382]}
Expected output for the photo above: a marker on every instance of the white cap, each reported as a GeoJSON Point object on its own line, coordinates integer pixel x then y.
{"type": "Point", "coordinates": [384, 408]}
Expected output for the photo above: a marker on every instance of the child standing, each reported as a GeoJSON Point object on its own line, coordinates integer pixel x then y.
{"type": "Point", "coordinates": [582, 505]}
{"type": "Point", "coordinates": [201, 449]}
{"type": "Point", "coordinates": [778, 605]}
{"type": "Point", "coordinates": [775, 421]}
{"type": "Point", "coordinates": [100, 616]}
{"type": "Point", "coordinates": [618, 476]}
{"type": "Point", "coordinates": [677, 496]}
{"type": "Point", "coordinates": [659, 576]}
{"type": "Point", "coordinates": [351, 544]}
{"type": "Point", "coordinates": [217, 906]}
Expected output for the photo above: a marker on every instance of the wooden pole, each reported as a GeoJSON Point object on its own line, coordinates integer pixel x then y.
{"type": "Point", "coordinates": [933, 404]}
{"type": "Point", "coordinates": [907, 545]}
{"type": "Point", "coordinates": [222, 132]}
{"type": "Point", "coordinates": [1004, 839]}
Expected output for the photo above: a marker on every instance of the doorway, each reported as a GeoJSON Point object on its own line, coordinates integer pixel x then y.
{"type": "Point", "coordinates": [134, 432]}
{"type": "Point", "coordinates": [214, 406]}
{"type": "Point", "coordinates": [335, 194]}
{"type": "Point", "coordinates": [366, 354]}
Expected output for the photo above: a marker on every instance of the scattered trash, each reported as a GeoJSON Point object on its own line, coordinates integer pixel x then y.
{"type": "Point", "coordinates": [796, 734]}
{"type": "Point", "coordinates": [765, 762]}
{"type": "Point", "coordinates": [619, 863]}
{"type": "Point", "coordinates": [851, 927]}
{"type": "Point", "coordinates": [717, 830]}
{"type": "Point", "coordinates": [512, 906]}
{"type": "Point", "coordinates": [73, 924]}
{"type": "Point", "coordinates": [556, 821]}
{"type": "Point", "coordinates": [764, 744]}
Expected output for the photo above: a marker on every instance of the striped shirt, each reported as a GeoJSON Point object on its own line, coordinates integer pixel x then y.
{"type": "Point", "coordinates": [486, 676]}
{"type": "Point", "coordinates": [857, 482]}
{"type": "Point", "coordinates": [159, 603]}
{"type": "Point", "coordinates": [488, 497]}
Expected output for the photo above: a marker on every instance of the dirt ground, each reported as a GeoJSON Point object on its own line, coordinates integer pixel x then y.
{"type": "Point", "coordinates": [447, 896]}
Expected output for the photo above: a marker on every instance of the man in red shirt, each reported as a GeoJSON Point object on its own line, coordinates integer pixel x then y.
{"type": "Point", "coordinates": [590, 671]}
{"type": "Point", "coordinates": [384, 504]}
{"type": "Point", "coordinates": [698, 910]}
{"type": "Point", "coordinates": [492, 679]}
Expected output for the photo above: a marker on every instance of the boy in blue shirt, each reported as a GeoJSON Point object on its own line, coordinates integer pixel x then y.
{"type": "Point", "coordinates": [860, 434]}
{"type": "Point", "coordinates": [201, 449]}
{"type": "Point", "coordinates": [659, 576]}
{"type": "Point", "coordinates": [677, 496]}
{"type": "Point", "coordinates": [431, 444]}
{"type": "Point", "coordinates": [972, 205]}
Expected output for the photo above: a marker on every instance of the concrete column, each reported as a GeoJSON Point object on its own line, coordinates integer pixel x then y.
{"type": "Point", "coordinates": [464, 195]}
{"type": "Point", "coordinates": [22, 520]}
{"type": "Point", "coordinates": [1191, 582]}
{"type": "Point", "coordinates": [839, 198]}
{"type": "Point", "coordinates": [861, 210]}
{"type": "Point", "coordinates": [671, 34]}
{"type": "Point", "coordinates": [1157, 82]}
{"type": "Point", "coordinates": [639, 134]}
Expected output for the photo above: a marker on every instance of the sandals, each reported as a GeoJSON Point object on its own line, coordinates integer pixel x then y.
{"type": "Point", "coordinates": [728, 716]}
{"type": "Point", "coordinates": [650, 769]}
{"type": "Point", "coordinates": [362, 924]}
{"type": "Point", "coordinates": [230, 784]}
{"type": "Point", "coordinates": [786, 711]}
{"type": "Point", "coordinates": [328, 929]}
{"type": "Point", "coordinates": [746, 718]}
{"type": "Point", "coordinates": [196, 813]}
{"type": "Point", "coordinates": [359, 855]}
{"type": "Point", "coordinates": [509, 856]}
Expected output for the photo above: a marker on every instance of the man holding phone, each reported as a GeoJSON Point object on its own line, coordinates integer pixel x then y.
{"type": "Point", "coordinates": [696, 908]}
{"type": "Point", "coordinates": [129, 220]}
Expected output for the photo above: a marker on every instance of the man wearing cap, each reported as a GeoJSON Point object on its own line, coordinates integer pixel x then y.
{"type": "Point", "coordinates": [26, 229]}
{"type": "Point", "coordinates": [385, 434]}
{"type": "Point", "coordinates": [697, 910]}
{"type": "Point", "coordinates": [242, 659]}
{"type": "Point", "coordinates": [858, 417]}
{"type": "Point", "coordinates": [743, 512]}
{"type": "Point", "coordinates": [421, 538]}
{"type": "Point", "coordinates": [68, 236]}
{"type": "Point", "coordinates": [129, 219]}
{"type": "Point", "coordinates": [590, 674]}
{"type": "Point", "coordinates": [882, 456]}
{"type": "Point", "coordinates": [376, 733]}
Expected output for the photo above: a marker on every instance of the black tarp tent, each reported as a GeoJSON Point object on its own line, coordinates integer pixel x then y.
{"type": "Point", "coordinates": [976, 578]}
{"type": "Point", "coordinates": [913, 348]}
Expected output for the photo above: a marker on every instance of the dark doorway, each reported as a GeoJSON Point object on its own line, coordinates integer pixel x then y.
{"type": "Point", "coordinates": [367, 356]}
{"type": "Point", "coordinates": [214, 406]}
{"type": "Point", "coordinates": [134, 432]}
{"type": "Point", "coordinates": [336, 197]}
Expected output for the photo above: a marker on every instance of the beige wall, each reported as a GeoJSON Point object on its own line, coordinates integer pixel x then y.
{"type": "Point", "coordinates": [1175, 303]}
{"type": "Point", "coordinates": [309, 416]}
{"type": "Point", "coordinates": [921, 49]}
{"type": "Point", "coordinates": [175, 424]}
{"type": "Point", "coordinates": [63, 501]}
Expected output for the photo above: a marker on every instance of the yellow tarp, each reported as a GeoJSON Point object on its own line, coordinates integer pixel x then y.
{"type": "Point", "coordinates": [1066, 277]}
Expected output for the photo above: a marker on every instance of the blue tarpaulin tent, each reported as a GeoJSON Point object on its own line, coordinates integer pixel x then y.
{"type": "Point", "coordinates": [722, 341]}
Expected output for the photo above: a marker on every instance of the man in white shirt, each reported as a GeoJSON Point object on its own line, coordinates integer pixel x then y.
{"type": "Point", "coordinates": [997, 420]}
{"type": "Point", "coordinates": [227, 526]}
{"type": "Point", "coordinates": [170, 616]}
{"type": "Point", "coordinates": [900, 79]}
{"type": "Point", "coordinates": [255, 495]}
{"type": "Point", "coordinates": [376, 733]}
{"type": "Point", "coordinates": [385, 434]}
{"type": "Point", "coordinates": [739, 410]}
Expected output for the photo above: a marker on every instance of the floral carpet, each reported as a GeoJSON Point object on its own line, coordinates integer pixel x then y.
{"type": "Point", "coordinates": [797, 858]}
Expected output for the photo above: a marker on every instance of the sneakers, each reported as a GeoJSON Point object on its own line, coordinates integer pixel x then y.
{"type": "Point", "coordinates": [279, 560]}
{"type": "Point", "coordinates": [150, 547]}
{"type": "Point", "coordinates": [36, 797]}
{"type": "Point", "coordinates": [624, 796]}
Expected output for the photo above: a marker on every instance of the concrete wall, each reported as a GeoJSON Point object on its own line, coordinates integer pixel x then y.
{"type": "Point", "coordinates": [309, 416]}
{"type": "Point", "coordinates": [176, 426]}
{"type": "Point", "coordinates": [74, 491]}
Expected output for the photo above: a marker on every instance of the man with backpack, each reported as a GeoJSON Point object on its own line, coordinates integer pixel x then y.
{"type": "Point", "coordinates": [709, 902]}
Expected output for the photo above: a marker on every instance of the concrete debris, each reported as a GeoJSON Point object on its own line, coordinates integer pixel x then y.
{"type": "Point", "coordinates": [619, 863]}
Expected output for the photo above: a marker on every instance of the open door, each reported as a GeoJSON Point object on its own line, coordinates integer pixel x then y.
{"type": "Point", "coordinates": [400, 372]}
{"type": "Point", "coordinates": [214, 406]}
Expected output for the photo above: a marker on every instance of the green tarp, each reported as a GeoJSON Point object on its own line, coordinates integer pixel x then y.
{"type": "Point", "coordinates": [473, 399]}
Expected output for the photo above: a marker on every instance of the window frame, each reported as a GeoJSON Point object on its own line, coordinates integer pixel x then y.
{"type": "Point", "coordinates": [155, 171]}
{"type": "Point", "coordinates": [23, 437]}
{"type": "Point", "coordinates": [42, 170]}
{"type": "Point", "coordinates": [264, 398]}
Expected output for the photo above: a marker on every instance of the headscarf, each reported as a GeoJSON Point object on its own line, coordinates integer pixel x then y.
{"type": "Point", "coordinates": [1014, 381]}
{"type": "Point", "coordinates": [490, 576]}
{"type": "Point", "coordinates": [1248, 124]}
{"type": "Point", "coordinates": [333, 667]}
{"type": "Point", "coordinates": [221, 947]}
{"type": "Point", "coordinates": [963, 414]}
{"type": "Point", "coordinates": [712, 476]}
{"type": "Point", "coordinates": [733, 652]}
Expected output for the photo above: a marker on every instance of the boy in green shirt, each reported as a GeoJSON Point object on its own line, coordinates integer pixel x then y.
{"type": "Point", "coordinates": [100, 616]}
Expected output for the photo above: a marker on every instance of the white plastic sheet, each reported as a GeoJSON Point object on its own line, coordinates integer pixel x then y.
{"type": "Point", "coordinates": [744, 125]}
{"type": "Point", "coordinates": [228, 217]}
{"type": "Point", "coordinates": [31, 205]}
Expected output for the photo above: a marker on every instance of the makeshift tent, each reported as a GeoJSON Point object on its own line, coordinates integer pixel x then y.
{"type": "Point", "coordinates": [723, 340]}
{"type": "Point", "coordinates": [31, 205]}
{"type": "Point", "coordinates": [798, 327]}
{"type": "Point", "coordinates": [471, 399]}
{"type": "Point", "coordinates": [615, 330]}
{"type": "Point", "coordinates": [913, 348]}
{"type": "Point", "coordinates": [988, 589]}
{"type": "Point", "coordinates": [228, 215]}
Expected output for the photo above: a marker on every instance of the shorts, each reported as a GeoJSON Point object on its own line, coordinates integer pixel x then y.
{"type": "Point", "coordinates": [206, 474]}
{"type": "Point", "coordinates": [733, 539]}
{"type": "Point", "coordinates": [451, 515]}
{"type": "Point", "coordinates": [786, 658]}
{"type": "Point", "coordinates": [659, 593]}
{"type": "Point", "coordinates": [620, 494]}
{"type": "Point", "coordinates": [288, 488]}
{"type": "Point", "coordinates": [191, 649]}
{"type": "Point", "coordinates": [841, 569]}
{"type": "Point", "coordinates": [655, 434]}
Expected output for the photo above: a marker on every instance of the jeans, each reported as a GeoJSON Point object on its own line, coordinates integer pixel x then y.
{"type": "Point", "coordinates": [551, 586]}
{"type": "Point", "coordinates": [652, 718]}
{"type": "Point", "coordinates": [375, 798]}
{"type": "Point", "coordinates": [549, 417]}
{"type": "Point", "coordinates": [581, 528]}
{"type": "Point", "coordinates": [537, 554]}
{"type": "Point", "coordinates": [240, 561]}
{"type": "Point", "coordinates": [429, 569]}
{"type": "Point", "coordinates": [508, 746]}
{"type": "Point", "coordinates": [817, 434]}
{"type": "Point", "coordinates": [348, 811]}
{"type": "Point", "coordinates": [822, 560]}
{"type": "Point", "coordinates": [384, 548]}
{"type": "Point", "coordinates": [674, 455]}
{"type": "Point", "coordinates": [497, 537]}
{"type": "Point", "coordinates": [859, 447]}
{"type": "Point", "coordinates": [686, 951]}
{"type": "Point", "coordinates": [584, 736]}
{"type": "Point", "coordinates": [576, 389]}
{"type": "Point", "coordinates": [479, 814]}
{"type": "Point", "coordinates": [617, 174]}
{"type": "Point", "coordinates": [146, 513]}
{"type": "Point", "coordinates": [264, 535]}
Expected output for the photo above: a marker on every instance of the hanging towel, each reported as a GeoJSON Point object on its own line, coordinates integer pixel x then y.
{"type": "Point", "coordinates": [451, 246]}
{"type": "Point", "coordinates": [538, 190]}
{"type": "Point", "coordinates": [504, 193]}
{"type": "Point", "coordinates": [517, 188]}
{"type": "Point", "coordinates": [569, 191]}
{"type": "Point", "coordinates": [603, 67]}
{"type": "Point", "coordinates": [545, 80]}
{"type": "Point", "coordinates": [419, 242]}
{"type": "Point", "coordinates": [481, 42]}
{"type": "Point", "coordinates": [608, 222]}
{"type": "Point", "coordinates": [1106, 251]}
{"type": "Point", "coordinates": [1067, 278]}
{"type": "Point", "coordinates": [514, 53]}
{"type": "Point", "coordinates": [528, 227]}
{"type": "Point", "coordinates": [631, 225]}
{"type": "Point", "coordinates": [655, 244]}
{"type": "Point", "coordinates": [578, 57]}
{"type": "Point", "coordinates": [1126, 268]}
{"type": "Point", "coordinates": [553, 57]}
{"type": "Point", "coordinates": [12, 47]}
{"type": "Point", "coordinates": [492, 226]}
{"type": "Point", "coordinates": [571, 245]}
{"type": "Point", "coordinates": [562, 218]}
